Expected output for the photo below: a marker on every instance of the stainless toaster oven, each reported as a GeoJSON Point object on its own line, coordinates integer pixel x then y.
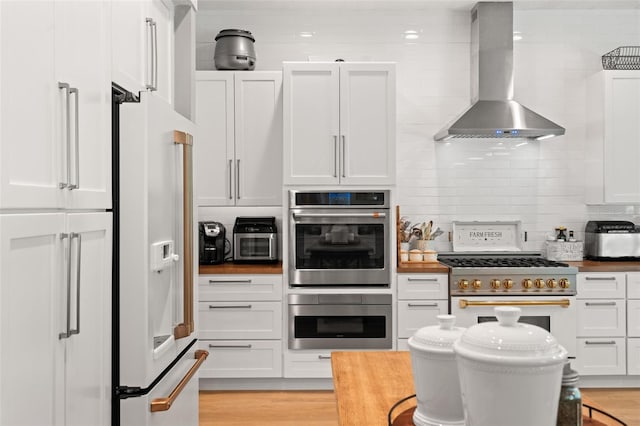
{"type": "Point", "coordinates": [255, 240]}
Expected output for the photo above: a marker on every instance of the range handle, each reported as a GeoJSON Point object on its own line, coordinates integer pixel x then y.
{"type": "Point", "coordinates": [464, 303]}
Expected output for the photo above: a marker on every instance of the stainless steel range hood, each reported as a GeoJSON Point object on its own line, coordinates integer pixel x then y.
{"type": "Point", "coordinates": [494, 113]}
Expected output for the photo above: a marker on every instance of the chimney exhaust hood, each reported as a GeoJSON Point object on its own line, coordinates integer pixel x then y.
{"type": "Point", "coordinates": [494, 113]}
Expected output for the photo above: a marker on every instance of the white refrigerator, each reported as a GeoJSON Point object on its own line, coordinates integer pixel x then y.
{"type": "Point", "coordinates": [155, 356]}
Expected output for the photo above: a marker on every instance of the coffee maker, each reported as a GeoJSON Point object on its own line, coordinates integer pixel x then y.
{"type": "Point", "coordinates": [212, 243]}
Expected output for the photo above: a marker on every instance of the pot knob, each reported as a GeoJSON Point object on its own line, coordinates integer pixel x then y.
{"type": "Point", "coordinates": [476, 284]}
{"type": "Point", "coordinates": [527, 283]}
{"type": "Point", "coordinates": [539, 283]}
{"type": "Point", "coordinates": [495, 284]}
{"type": "Point", "coordinates": [507, 283]}
{"type": "Point", "coordinates": [551, 283]}
{"type": "Point", "coordinates": [463, 284]}
{"type": "Point", "coordinates": [565, 283]}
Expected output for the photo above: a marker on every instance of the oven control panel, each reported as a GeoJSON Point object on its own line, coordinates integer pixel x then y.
{"type": "Point", "coordinates": [513, 284]}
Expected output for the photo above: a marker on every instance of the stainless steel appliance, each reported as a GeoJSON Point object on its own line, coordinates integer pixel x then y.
{"type": "Point", "coordinates": [340, 321]}
{"type": "Point", "coordinates": [255, 240]}
{"type": "Point", "coordinates": [481, 278]}
{"type": "Point", "coordinates": [339, 238]}
{"type": "Point", "coordinates": [212, 239]}
{"type": "Point", "coordinates": [234, 50]}
{"type": "Point", "coordinates": [610, 239]}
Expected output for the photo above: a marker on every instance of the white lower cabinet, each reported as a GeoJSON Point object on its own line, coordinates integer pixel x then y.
{"type": "Point", "coordinates": [633, 356]}
{"type": "Point", "coordinates": [240, 324]}
{"type": "Point", "coordinates": [600, 317]}
{"type": "Point", "coordinates": [242, 358]}
{"type": "Point", "coordinates": [307, 364]}
{"type": "Point", "coordinates": [601, 356]}
{"type": "Point", "coordinates": [421, 298]}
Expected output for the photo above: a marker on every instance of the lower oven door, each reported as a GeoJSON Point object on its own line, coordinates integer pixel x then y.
{"type": "Point", "coordinates": [556, 314]}
{"type": "Point", "coordinates": [340, 325]}
{"type": "Point", "coordinates": [339, 247]}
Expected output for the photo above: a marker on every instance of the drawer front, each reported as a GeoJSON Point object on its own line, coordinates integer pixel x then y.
{"type": "Point", "coordinates": [633, 285]}
{"type": "Point", "coordinates": [240, 320]}
{"type": "Point", "coordinates": [242, 358]}
{"type": "Point", "coordinates": [602, 285]}
{"type": "Point", "coordinates": [423, 286]}
{"type": "Point", "coordinates": [601, 318]}
{"type": "Point", "coordinates": [239, 287]}
{"type": "Point", "coordinates": [413, 315]}
{"type": "Point", "coordinates": [307, 364]}
{"type": "Point", "coordinates": [633, 356]}
{"type": "Point", "coordinates": [600, 356]}
{"type": "Point", "coordinates": [633, 318]}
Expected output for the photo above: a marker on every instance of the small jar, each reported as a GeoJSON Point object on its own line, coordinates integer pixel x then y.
{"type": "Point", "coordinates": [570, 405]}
{"type": "Point", "coordinates": [561, 234]}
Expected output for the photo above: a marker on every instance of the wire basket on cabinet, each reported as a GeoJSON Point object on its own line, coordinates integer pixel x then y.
{"type": "Point", "coordinates": [622, 58]}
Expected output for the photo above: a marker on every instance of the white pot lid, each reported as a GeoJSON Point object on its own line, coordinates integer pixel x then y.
{"type": "Point", "coordinates": [438, 338]}
{"type": "Point", "coordinates": [508, 341]}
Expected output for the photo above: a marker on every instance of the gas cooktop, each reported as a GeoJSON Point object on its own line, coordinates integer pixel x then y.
{"type": "Point", "coordinates": [499, 262]}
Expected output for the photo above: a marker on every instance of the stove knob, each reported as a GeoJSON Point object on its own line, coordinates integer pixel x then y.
{"type": "Point", "coordinates": [476, 284]}
{"type": "Point", "coordinates": [463, 284]}
{"type": "Point", "coordinates": [507, 283]}
{"type": "Point", "coordinates": [565, 283]}
{"type": "Point", "coordinates": [527, 283]}
{"type": "Point", "coordinates": [495, 284]}
{"type": "Point", "coordinates": [551, 283]}
{"type": "Point", "coordinates": [539, 283]}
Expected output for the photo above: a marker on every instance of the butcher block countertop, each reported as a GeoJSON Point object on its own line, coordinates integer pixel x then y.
{"type": "Point", "coordinates": [606, 266]}
{"type": "Point", "coordinates": [241, 268]}
{"type": "Point", "coordinates": [422, 267]}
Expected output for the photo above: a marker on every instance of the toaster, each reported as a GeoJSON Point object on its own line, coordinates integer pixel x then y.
{"type": "Point", "coordinates": [611, 239]}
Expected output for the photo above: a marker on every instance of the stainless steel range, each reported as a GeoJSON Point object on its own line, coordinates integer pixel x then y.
{"type": "Point", "coordinates": [488, 268]}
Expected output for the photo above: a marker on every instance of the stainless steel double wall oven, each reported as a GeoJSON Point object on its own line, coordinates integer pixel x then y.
{"type": "Point", "coordinates": [339, 238]}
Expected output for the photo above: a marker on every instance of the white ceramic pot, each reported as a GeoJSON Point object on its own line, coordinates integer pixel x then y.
{"type": "Point", "coordinates": [510, 373]}
{"type": "Point", "coordinates": [435, 374]}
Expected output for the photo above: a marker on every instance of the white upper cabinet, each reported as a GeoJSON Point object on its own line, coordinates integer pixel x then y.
{"type": "Point", "coordinates": [613, 175]}
{"type": "Point", "coordinates": [55, 105]}
{"type": "Point", "coordinates": [339, 123]}
{"type": "Point", "coordinates": [142, 36]}
{"type": "Point", "coordinates": [238, 158]}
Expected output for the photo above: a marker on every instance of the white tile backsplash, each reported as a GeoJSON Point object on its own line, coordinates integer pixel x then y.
{"type": "Point", "coordinates": [539, 183]}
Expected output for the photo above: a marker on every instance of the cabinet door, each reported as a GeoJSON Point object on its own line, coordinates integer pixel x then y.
{"type": "Point", "coordinates": [232, 288]}
{"type": "Point", "coordinates": [240, 320]}
{"type": "Point", "coordinates": [83, 62]}
{"type": "Point", "coordinates": [633, 356]}
{"type": "Point", "coordinates": [311, 123]}
{"type": "Point", "coordinates": [242, 358]}
{"type": "Point", "coordinates": [633, 285]}
{"type": "Point", "coordinates": [31, 354]}
{"type": "Point", "coordinates": [423, 286]}
{"type": "Point", "coordinates": [601, 285]}
{"type": "Point", "coordinates": [601, 317]}
{"type": "Point", "coordinates": [633, 318]}
{"type": "Point", "coordinates": [128, 37]}
{"type": "Point", "coordinates": [601, 356]}
{"type": "Point", "coordinates": [621, 134]}
{"type": "Point", "coordinates": [367, 123]}
{"type": "Point", "coordinates": [307, 364]}
{"type": "Point", "coordinates": [213, 147]}
{"type": "Point", "coordinates": [415, 314]}
{"type": "Point", "coordinates": [258, 138]}
{"type": "Point", "coordinates": [88, 362]}
{"type": "Point", "coordinates": [30, 169]}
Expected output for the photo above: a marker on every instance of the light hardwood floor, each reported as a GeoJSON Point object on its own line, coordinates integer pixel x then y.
{"type": "Point", "coordinates": [318, 408]}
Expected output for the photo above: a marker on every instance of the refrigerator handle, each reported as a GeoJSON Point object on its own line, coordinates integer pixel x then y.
{"type": "Point", "coordinates": [78, 251]}
{"type": "Point", "coordinates": [164, 404]}
{"type": "Point", "coordinates": [185, 328]}
{"type": "Point", "coordinates": [65, 334]}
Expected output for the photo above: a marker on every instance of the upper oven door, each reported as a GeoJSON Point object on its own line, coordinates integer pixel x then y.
{"type": "Point", "coordinates": [339, 247]}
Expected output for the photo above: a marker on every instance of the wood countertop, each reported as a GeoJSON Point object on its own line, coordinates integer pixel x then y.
{"type": "Point", "coordinates": [606, 266]}
{"type": "Point", "coordinates": [422, 267]}
{"type": "Point", "coordinates": [368, 384]}
{"type": "Point", "coordinates": [241, 268]}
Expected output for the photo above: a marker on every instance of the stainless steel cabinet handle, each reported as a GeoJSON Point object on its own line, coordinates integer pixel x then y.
{"type": "Point", "coordinates": [65, 334]}
{"type": "Point", "coordinates": [600, 303]}
{"type": "Point", "coordinates": [152, 69]}
{"type": "Point", "coordinates": [66, 88]}
{"type": "Point", "coordinates": [422, 305]}
{"type": "Point", "coordinates": [229, 281]}
{"type": "Point", "coordinates": [422, 279]}
{"type": "Point", "coordinates": [600, 278]}
{"type": "Point", "coordinates": [230, 307]}
{"type": "Point", "coordinates": [335, 154]}
{"type": "Point", "coordinates": [342, 161]}
{"type": "Point", "coordinates": [230, 346]}
{"type": "Point", "coordinates": [78, 237]}
{"type": "Point", "coordinates": [324, 356]}
{"type": "Point", "coordinates": [230, 179]}
{"type": "Point", "coordinates": [238, 179]}
{"type": "Point", "coordinates": [75, 92]}
{"type": "Point", "coordinates": [606, 342]}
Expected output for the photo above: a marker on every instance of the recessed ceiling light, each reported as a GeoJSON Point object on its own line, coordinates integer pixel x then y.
{"type": "Point", "coordinates": [411, 35]}
{"type": "Point", "coordinates": [306, 34]}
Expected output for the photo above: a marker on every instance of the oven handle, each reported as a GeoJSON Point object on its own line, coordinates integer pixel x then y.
{"type": "Point", "coordinates": [374, 215]}
{"type": "Point", "coordinates": [463, 303]}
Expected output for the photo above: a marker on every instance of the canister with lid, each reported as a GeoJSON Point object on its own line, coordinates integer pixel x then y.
{"type": "Point", "coordinates": [435, 374]}
{"type": "Point", "coordinates": [510, 373]}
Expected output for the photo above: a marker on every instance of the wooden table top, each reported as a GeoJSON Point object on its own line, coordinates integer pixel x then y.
{"type": "Point", "coordinates": [368, 384]}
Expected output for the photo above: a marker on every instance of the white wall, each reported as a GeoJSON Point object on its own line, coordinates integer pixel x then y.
{"type": "Point", "coordinates": [539, 183]}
